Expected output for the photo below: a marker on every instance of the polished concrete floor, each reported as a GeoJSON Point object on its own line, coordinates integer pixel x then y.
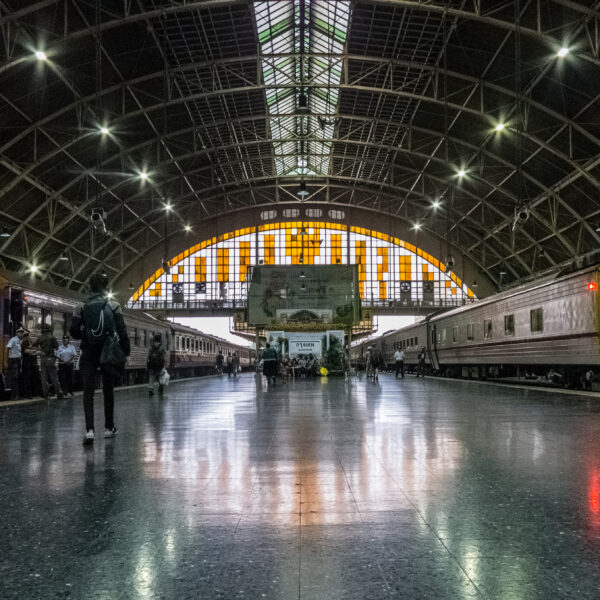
{"type": "Point", "coordinates": [318, 489]}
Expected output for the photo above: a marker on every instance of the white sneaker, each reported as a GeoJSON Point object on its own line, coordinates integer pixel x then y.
{"type": "Point", "coordinates": [88, 438]}
{"type": "Point", "coordinates": [110, 433]}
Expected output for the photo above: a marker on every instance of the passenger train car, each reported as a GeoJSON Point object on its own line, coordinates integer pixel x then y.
{"type": "Point", "coordinates": [31, 303]}
{"type": "Point", "coordinates": [526, 331]}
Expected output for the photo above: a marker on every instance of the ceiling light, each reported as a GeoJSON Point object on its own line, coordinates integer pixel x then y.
{"type": "Point", "coordinates": [131, 287]}
{"type": "Point", "coordinates": [563, 51]}
{"type": "Point", "coordinates": [474, 284]}
{"type": "Point", "coordinates": [63, 257]}
{"type": "Point", "coordinates": [40, 55]}
{"type": "Point", "coordinates": [188, 228]}
{"type": "Point", "coordinates": [105, 131]}
{"type": "Point", "coordinates": [302, 191]}
{"type": "Point", "coordinates": [302, 275]}
{"type": "Point", "coordinates": [500, 127]}
{"type": "Point", "coordinates": [168, 206]}
{"type": "Point", "coordinates": [462, 173]}
{"type": "Point", "coordinates": [6, 234]}
{"type": "Point", "coordinates": [143, 175]}
{"type": "Point", "coordinates": [597, 229]}
{"type": "Point", "coordinates": [435, 204]}
{"type": "Point", "coordinates": [33, 268]}
{"type": "Point", "coordinates": [417, 226]}
{"type": "Point", "coordinates": [110, 295]}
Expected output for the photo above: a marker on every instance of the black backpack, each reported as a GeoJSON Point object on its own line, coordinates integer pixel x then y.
{"type": "Point", "coordinates": [99, 321]}
{"type": "Point", "coordinates": [155, 358]}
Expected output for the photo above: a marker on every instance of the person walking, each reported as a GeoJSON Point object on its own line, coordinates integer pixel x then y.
{"type": "Point", "coordinates": [219, 363]}
{"type": "Point", "coordinates": [66, 354]}
{"type": "Point", "coordinates": [399, 358]}
{"type": "Point", "coordinates": [93, 322]}
{"type": "Point", "coordinates": [236, 364]}
{"type": "Point", "coordinates": [270, 364]}
{"type": "Point", "coordinates": [14, 362]}
{"type": "Point", "coordinates": [48, 346]}
{"type": "Point", "coordinates": [155, 364]}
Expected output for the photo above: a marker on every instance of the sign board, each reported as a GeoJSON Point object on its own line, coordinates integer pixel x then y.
{"type": "Point", "coordinates": [303, 294]}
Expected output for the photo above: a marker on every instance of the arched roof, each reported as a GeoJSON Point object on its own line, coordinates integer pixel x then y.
{"type": "Point", "coordinates": [409, 93]}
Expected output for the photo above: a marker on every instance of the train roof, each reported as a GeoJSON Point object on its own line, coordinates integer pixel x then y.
{"type": "Point", "coordinates": [29, 282]}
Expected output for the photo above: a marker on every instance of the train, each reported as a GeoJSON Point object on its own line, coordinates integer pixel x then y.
{"type": "Point", "coordinates": [548, 330]}
{"type": "Point", "coordinates": [30, 303]}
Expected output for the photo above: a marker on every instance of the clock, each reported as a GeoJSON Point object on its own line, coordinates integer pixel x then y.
{"type": "Point", "coordinates": [178, 288]}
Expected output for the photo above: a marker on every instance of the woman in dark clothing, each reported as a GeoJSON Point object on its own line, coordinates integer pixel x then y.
{"type": "Point", "coordinates": [270, 363]}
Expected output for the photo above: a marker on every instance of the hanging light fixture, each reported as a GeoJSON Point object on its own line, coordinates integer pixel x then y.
{"type": "Point", "coordinates": [302, 191]}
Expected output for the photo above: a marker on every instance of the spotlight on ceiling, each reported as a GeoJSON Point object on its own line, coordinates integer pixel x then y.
{"type": "Point", "coordinates": [436, 204]}
{"type": "Point", "coordinates": [131, 287]}
{"type": "Point", "coordinates": [597, 229]}
{"type": "Point", "coordinates": [4, 233]}
{"type": "Point", "coordinates": [143, 175]}
{"type": "Point", "coordinates": [461, 173]}
{"type": "Point", "coordinates": [188, 228]}
{"type": "Point", "coordinates": [104, 130]}
{"type": "Point", "coordinates": [302, 192]}
{"type": "Point", "coordinates": [63, 257]}
{"type": "Point", "coordinates": [500, 127]}
{"type": "Point", "coordinates": [302, 275]}
{"type": "Point", "coordinates": [41, 55]}
{"type": "Point", "coordinates": [33, 269]}
{"type": "Point", "coordinates": [563, 52]}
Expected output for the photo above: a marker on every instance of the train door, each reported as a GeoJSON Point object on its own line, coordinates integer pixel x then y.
{"type": "Point", "coordinates": [432, 344]}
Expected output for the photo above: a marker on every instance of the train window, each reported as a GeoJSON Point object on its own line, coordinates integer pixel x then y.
{"type": "Point", "coordinates": [536, 318]}
{"type": "Point", "coordinates": [416, 341]}
{"type": "Point", "coordinates": [136, 337]}
{"type": "Point", "coordinates": [444, 335]}
{"type": "Point", "coordinates": [470, 335]}
{"type": "Point", "coordinates": [487, 329]}
{"type": "Point", "coordinates": [145, 337]}
{"type": "Point", "coordinates": [455, 334]}
{"type": "Point", "coordinates": [509, 324]}
{"type": "Point", "coordinates": [33, 320]}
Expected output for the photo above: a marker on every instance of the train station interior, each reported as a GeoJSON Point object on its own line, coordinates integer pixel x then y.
{"type": "Point", "coordinates": [345, 262]}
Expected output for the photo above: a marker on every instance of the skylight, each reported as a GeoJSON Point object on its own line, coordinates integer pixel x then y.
{"type": "Point", "coordinates": [302, 67]}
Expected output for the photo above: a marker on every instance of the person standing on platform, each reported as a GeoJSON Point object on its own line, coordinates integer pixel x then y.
{"type": "Point", "coordinates": [29, 370]}
{"type": "Point", "coordinates": [66, 354]}
{"type": "Point", "coordinates": [48, 345]}
{"type": "Point", "coordinates": [155, 364]}
{"type": "Point", "coordinates": [14, 362]}
{"type": "Point", "coordinates": [270, 364]}
{"type": "Point", "coordinates": [93, 322]}
{"type": "Point", "coordinates": [421, 367]}
{"type": "Point", "coordinates": [399, 358]}
{"type": "Point", "coordinates": [229, 364]}
{"type": "Point", "coordinates": [376, 362]}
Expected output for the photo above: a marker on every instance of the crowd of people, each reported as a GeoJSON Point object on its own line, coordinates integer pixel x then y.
{"type": "Point", "coordinates": [286, 367]}
{"type": "Point", "coordinates": [229, 364]}
{"type": "Point", "coordinates": [29, 377]}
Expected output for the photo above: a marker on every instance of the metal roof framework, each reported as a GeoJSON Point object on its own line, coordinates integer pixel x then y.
{"type": "Point", "coordinates": [204, 98]}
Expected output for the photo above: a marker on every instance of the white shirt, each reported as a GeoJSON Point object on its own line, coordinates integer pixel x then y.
{"type": "Point", "coordinates": [14, 347]}
{"type": "Point", "coordinates": [66, 354]}
{"type": "Point", "coordinates": [399, 355]}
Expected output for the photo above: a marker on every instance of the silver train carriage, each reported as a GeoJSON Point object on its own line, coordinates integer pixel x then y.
{"type": "Point", "coordinates": [31, 303]}
{"type": "Point", "coordinates": [548, 326]}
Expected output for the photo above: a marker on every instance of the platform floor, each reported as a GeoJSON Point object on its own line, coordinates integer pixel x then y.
{"type": "Point", "coordinates": [417, 488]}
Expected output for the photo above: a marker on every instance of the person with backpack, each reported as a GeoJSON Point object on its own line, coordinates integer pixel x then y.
{"type": "Point", "coordinates": [219, 363]}
{"type": "Point", "coordinates": [155, 364]}
{"type": "Point", "coordinates": [229, 364]}
{"type": "Point", "coordinates": [94, 322]}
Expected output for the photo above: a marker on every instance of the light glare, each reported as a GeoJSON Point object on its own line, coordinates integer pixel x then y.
{"type": "Point", "coordinates": [40, 55]}
{"type": "Point", "coordinates": [143, 175]}
{"type": "Point", "coordinates": [104, 130]}
{"type": "Point", "coordinates": [462, 173]}
{"type": "Point", "coordinates": [33, 268]}
{"type": "Point", "coordinates": [500, 127]}
{"type": "Point", "coordinates": [563, 52]}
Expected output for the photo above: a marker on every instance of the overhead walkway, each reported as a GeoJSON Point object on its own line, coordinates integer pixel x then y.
{"type": "Point", "coordinates": [318, 489]}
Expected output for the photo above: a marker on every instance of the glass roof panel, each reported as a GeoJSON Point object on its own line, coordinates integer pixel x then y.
{"type": "Point", "coordinates": [283, 30]}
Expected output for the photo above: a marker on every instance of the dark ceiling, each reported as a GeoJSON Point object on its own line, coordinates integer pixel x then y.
{"type": "Point", "coordinates": [180, 85]}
